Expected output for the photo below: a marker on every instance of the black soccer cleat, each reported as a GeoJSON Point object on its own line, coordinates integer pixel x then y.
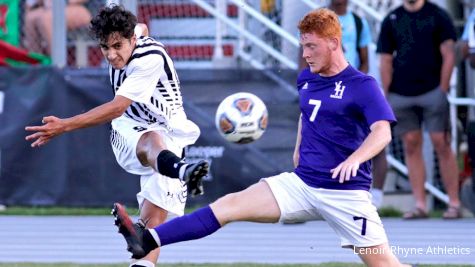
{"type": "Point", "coordinates": [132, 232]}
{"type": "Point", "coordinates": [193, 177]}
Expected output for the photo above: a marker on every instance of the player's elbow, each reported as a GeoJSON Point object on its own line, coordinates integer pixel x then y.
{"type": "Point", "coordinates": [385, 135]}
{"type": "Point", "coordinates": [118, 106]}
{"type": "Point", "coordinates": [117, 112]}
{"type": "Point", "coordinates": [382, 130]}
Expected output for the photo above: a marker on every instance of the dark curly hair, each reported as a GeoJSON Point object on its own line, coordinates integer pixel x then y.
{"type": "Point", "coordinates": [113, 19]}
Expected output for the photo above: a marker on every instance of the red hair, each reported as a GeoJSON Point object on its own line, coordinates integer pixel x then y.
{"type": "Point", "coordinates": [323, 22]}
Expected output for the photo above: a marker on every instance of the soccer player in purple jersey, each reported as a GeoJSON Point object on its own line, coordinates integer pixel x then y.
{"type": "Point", "coordinates": [345, 121]}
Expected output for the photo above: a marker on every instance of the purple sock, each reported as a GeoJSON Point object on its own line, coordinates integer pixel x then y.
{"type": "Point", "coordinates": [195, 225]}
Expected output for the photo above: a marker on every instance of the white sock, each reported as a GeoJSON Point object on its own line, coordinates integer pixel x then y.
{"type": "Point", "coordinates": [377, 197]}
{"type": "Point", "coordinates": [181, 171]}
{"type": "Point", "coordinates": [142, 263]}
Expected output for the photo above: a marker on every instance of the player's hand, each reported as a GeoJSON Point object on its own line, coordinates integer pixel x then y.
{"type": "Point", "coordinates": [345, 170]}
{"type": "Point", "coordinates": [52, 127]}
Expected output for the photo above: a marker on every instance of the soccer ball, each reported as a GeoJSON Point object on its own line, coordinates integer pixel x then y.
{"type": "Point", "coordinates": [241, 118]}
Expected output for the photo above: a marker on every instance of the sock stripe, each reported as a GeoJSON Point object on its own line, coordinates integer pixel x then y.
{"type": "Point", "coordinates": [155, 236]}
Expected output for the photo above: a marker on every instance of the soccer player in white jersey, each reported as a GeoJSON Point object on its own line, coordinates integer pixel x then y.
{"type": "Point", "coordinates": [149, 126]}
{"type": "Point", "coordinates": [345, 121]}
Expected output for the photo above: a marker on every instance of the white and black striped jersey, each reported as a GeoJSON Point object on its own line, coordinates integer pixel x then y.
{"type": "Point", "coordinates": [149, 79]}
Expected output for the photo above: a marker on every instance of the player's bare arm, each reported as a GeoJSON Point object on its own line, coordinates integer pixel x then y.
{"type": "Point", "coordinates": [375, 142]}
{"type": "Point", "coordinates": [297, 142]}
{"type": "Point", "coordinates": [54, 126]}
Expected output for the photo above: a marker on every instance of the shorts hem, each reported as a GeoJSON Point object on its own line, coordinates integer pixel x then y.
{"type": "Point", "coordinates": [176, 212]}
{"type": "Point", "coordinates": [281, 217]}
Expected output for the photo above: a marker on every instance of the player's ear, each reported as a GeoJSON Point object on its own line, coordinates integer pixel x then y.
{"type": "Point", "coordinates": [133, 40]}
{"type": "Point", "coordinates": [334, 43]}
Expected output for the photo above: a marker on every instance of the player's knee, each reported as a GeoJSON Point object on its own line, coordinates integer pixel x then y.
{"type": "Point", "coordinates": [149, 146]}
{"type": "Point", "coordinates": [142, 156]}
{"type": "Point", "coordinates": [225, 208]}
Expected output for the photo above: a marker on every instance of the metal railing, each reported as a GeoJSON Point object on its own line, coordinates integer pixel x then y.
{"type": "Point", "coordinates": [221, 16]}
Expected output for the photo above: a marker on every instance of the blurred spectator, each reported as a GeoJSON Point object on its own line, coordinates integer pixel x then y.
{"type": "Point", "coordinates": [416, 44]}
{"type": "Point", "coordinates": [12, 55]}
{"type": "Point", "coordinates": [38, 23]}
{"type": "Point", "coordinates": [468, 40]}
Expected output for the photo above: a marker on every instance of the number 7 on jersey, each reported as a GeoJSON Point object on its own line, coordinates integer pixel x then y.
{"type": "Point", "coordinates": [317, 104]}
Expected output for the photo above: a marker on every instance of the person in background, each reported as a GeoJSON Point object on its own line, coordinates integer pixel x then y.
{"type": "Point", "coordinates": [468, 52]}
{"type": "Point", "coordinates": [38, 23]}
{"type": "Point", "coordinates": [416, 47]}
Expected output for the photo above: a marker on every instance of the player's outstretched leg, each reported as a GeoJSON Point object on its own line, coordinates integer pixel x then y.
{"type": "Point", "coordinates": [140, 242]}
{"type": "Point", "coordinates": [133, 233]}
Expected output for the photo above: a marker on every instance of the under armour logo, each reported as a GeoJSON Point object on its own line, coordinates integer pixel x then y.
{"type": "Point", "coordinates": [338, 94]}
{"type": "Point", "coordinates": [305, 86]}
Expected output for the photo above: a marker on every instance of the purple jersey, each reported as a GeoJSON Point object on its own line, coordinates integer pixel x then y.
{"type": "Point", "coordinates": [337, 112]}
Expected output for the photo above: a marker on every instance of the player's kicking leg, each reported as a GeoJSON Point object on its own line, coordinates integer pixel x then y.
{"type": "Point", "coordinates": [152, 151]}
{"type": "Point", "coordinates": [255, 204]}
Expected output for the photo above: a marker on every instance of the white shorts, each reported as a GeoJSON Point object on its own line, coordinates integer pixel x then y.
{"type": "Point", "coordinates": [164, 192]}
{"type": "Point", "coordinates": [167, 193]}
{"type": "Point", "coordinates": [349, 212]}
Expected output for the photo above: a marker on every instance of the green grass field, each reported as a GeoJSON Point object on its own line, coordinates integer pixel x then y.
{"type": "Point", "coordinates": [210, 265]}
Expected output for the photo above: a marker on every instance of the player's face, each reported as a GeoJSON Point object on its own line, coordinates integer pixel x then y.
{"type": "Point", "coordinates": [117, 49]}
{"type": "Point", "coordinates": [316, 52]}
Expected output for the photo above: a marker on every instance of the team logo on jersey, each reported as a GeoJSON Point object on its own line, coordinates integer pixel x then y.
{"type": "Point", "coordinates": [305, 86]}
{"type": "Point", "coordinates": [339, 89]}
